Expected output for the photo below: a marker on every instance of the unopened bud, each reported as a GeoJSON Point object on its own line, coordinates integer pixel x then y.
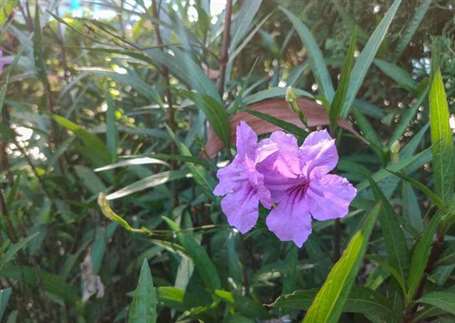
{"type": "Point", "coordinates": [395, 151]}
{"type": "Point", "coordinates": [291, 99]}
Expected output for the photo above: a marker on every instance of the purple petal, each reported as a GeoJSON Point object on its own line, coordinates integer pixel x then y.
{"type": "Point", "coordinates": [246, 141]}
{"type": "Point", "coordinates": [319, 152]}
{"type": "Point", "coordinates": [290, 220]}
{"type": "Point", "coordinates": [329, 197]}
{"type": "Point", "coordinates": [241, 208]}
{"type": "Point", "coordinates": [240, 174]}
{"type": "Point", "coordinates": [230, 177]}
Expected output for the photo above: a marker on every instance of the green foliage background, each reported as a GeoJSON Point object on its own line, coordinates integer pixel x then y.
{"type": "Point", "coordinates": [106, 207]}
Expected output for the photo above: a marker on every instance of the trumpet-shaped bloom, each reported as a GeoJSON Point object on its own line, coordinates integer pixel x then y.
{"type": "Point", "coordinates": [241, 185]}
{"type": "Point", "coordinates": [300, 184]}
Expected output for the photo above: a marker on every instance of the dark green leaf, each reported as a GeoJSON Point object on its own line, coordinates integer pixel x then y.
{"type": "Point", "coordinates": [4, 298]}
{"type": "Point", "coordinates": [316, 59]}
{"type": "Point", "coordinates": [366, 57]}
{"type": "Point", "coordinates": [445, 300]}
{"type": "Point", "coordinates": [340, 94]}
{"type": "Point", "coordinates": [394, 238]}
{"type": "Point", "coordinates": [143, 306]}
{"type": "Point", "coordinates": [287, 126]}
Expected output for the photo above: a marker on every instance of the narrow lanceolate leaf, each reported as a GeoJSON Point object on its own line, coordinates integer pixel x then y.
{"type": "Point", "coordinates": [435, 199]}
{"type": "Point", "coordinates": [37, 278]}
{"type": "Point", "coordinates": [111, 128]}
{"type": "Point", "coordinates": [331, 298]}
{"type": "Point", "coordinates": [132, 162]}
{"type": "Point", "coordinates": [366, 57]}
{"type": "Point", "coordinates": [202, 262]}
{"type": "Point", "coordinates": [444, 300]}
{"type": "Point", "coordinates": [441, 138]}
{"type": "Point", "coordinates": [147, 182]}
{"type": "Point", "coordinates": [419, 258]}
{"type": "Point", "coordinates": [215, 113]}
{"type": "Point", "coordinates": [4, 298]}
{"type": "Point", "coordinates": [394, 239]}
{"type": "Point", "coordinates": [397, 74]}
{"type": "Point", "coordinates": [143, 307]}
{"type": "Point", "coordinates": [241, 24]}
{"type": "Point", "coordinates": [343, 86]}
{"type": "Point", "coordinates": [408, 116]}
{"type": "Point", "coordinates": [93, 148]}
{"type": "Point", "coordinates": [411, 28]}
{"type": "Point", "coordinates": [317, 62]}
{"type": "Point", "coordinates": [287, 126]}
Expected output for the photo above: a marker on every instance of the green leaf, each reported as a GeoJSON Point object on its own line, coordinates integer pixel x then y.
{"type": "Point", "coordinates": [421, 254]}
{"type": "Point", "coordinates": [202, 263]}
{"type": "Point", "coordinates": [182, 66]}
{"type": "Point", "coordinates": [421, 187]}
{"type": "Point", "coordinates": [394, 238]}
{"type": "Point", "coordinates": [366, 57]}
{"type": "Point", "coordinates": [4, 298]}
{"type": "Point", "coordinates": [444, 300]}
{"type": "Point", "coordinates": [287, 126]}
{"type": "Point", "coordinates": [408, 117]}
{"type": "Point", "coordinates": [13, 249]}
{"type": "Point", "coordinates": [343, 86]}
{"type": "Point", "coordinates": [397, 74]}
{"type": "Point", "coordinates": [368, 130]}
{"type": "Point", "coordinates": [411, 207]}
{"type": "Point", "coordinates": [360, 300]}
{"type": "Point", "coordinates": [411, 28]}
{"type": "Point", "coordinates": [148, 182]}
{"type": "Point", "coordinates": [274, 92]}
{"type": "Point", "coordinates": [215, 113]}
{"type": "Point", "coordinates": [317, 62]}
{"type": "Point", "coordinates": [143, 306]}
{"type": "Point", "coordinates": [171, 297]}
{"type": "Point", "coordinates": [130, 78]}
{"type": "Point", "coordinates": [382, 174]}
{"type": "Point", "coordinates": [6, 8]}
{"type": "Point", "coordinates": [242, 22]}
{"type": "Point", "coordinates": [111, 128]}
{"type": "Point", "coordinates": [38, 278]}
{"type": "Point", "coordinates": [441, 138]}
{"type": "Point", "coordinates": [198, 172]}
{"type": "Point", "coordinates": [97, 151]}
{"type": "Point", "coordinates": [331, 298]}
{"type": "Point", "coordinates": [90, 180]}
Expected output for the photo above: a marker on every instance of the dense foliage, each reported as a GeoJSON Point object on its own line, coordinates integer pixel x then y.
{"type": "Point", "coordinates": [116, 116]}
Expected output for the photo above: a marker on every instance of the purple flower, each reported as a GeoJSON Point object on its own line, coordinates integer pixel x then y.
{"type": "Point", "coordinates": [4, 60]}
{"type": "Point", "coordinates": [295, 180]}
{"type": "Point", "coordinates": [300, 184]}
{"type": "Point", "coordinates": [241, 184]}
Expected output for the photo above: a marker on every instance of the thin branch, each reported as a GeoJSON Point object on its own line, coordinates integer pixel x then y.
{"type": "Point", "coordinates": [224, 55]}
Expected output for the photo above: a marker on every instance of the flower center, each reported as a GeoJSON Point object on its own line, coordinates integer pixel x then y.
{"type": "Point", "coordinates": [300, 188]}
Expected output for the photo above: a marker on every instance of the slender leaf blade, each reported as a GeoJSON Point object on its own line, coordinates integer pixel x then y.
{"type": "Point", "coordinates": [441, 138]}
{"type": "Point", "coordinates": [366, 57]}
{"type": "Point", "coordinates": [143, 306]}
{"type": "Point", "coordinates": [331, 298]}
{"type": "Point", "coordinates": [317, 62]}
